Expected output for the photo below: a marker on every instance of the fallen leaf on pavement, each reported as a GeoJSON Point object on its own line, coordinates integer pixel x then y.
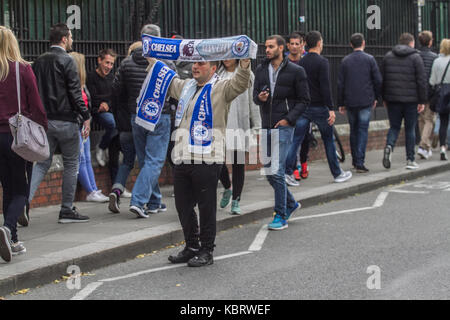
{"type": "Point", "coordinates": [24, 291]}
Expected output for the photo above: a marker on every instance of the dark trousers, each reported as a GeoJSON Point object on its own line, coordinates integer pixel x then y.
{"type": "Point", "coordinates": [238, 176]}
{"type": "Point", "coordinates": [114, 153]}
{"type": "Point", "coordinates": [196, 184]}
{"type": "Point", "coordinates": [443, 128]}
{"type": "Point", "coordinates": [304, 150]}
{"type": "Point", "coordinates": [15, 183]}
{"type": "Point", "coordinates": [397, 112]}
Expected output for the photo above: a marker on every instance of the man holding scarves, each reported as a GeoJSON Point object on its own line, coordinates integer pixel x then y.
{"type": "Point", "coordinates": [199, 151]}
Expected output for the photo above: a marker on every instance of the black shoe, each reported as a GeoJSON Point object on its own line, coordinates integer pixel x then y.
{"type": "Point", "coordinates": [387, 157]}
{"type": "Point", "coordinates": [184, 256]}
{"type": "Point", "coordinates": [5, 244]}
{"type": "Point", "coordinates": [71, 216]}
{"type": "Point", "coordinates": [114, 202]}
{"type": "Point", "coordinates": [361, 169]}
{"type": "Point", "coordinates": [24, 219]}
{"type": "Point", "coordinates": [202, 259]}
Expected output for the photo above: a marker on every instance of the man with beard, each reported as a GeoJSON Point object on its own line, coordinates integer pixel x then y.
{"type": "Point", "coordinates": [281, 90]}
{"type": "Point", "coordinates": [60, 90]}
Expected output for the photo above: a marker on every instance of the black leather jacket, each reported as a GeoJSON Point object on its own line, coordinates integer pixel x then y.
{"type": "Point", "coordinates": [291, 96]}
{"type": "Point", "coordinates": [59, 86]}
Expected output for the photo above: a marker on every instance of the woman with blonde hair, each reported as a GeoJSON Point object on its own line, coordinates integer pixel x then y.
{"type": "Point", "coordinates": [441, 70]}
{"type": "Point", "coordinates": [86, 172]}
{"type": "Point", "coordinates": [13, 169]}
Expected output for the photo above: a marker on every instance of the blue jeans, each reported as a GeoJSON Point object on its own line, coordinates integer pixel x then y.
{"type": "Point", "coordinates": [129, 158]}
{"type": "Point", "coordinates": [283, 197]}
{"type": "Point", "coordinates": [86, 173]}
{"type": "Point", "coordinates": [397, 112]}
{"type": "Point", "coordinates": [107, 122]}
{"type": "Point", "coordinates": [151, 150]}
{"type": "Point", "coordinates": [359, 120]}
{"type": "Point", "coordinates": [318, 115]}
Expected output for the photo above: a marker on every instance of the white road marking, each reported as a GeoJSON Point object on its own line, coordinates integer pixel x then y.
{"type": "Point", "coordinates": [229, 256]}
{"type": "Point", "coordinates": [260, 239]}
{"type": "Point", "coordinates": [409, 192]}
{"type": "Point", "coordinates": [137, 274]}
{"type": "Point", "coordinates": [381, 200]}
{"type": "Point", "coordinates": [86, 292]}
{"type": "Point", "coordinates": [178, 266]}
{"type": "Point", "coordinates": [350, 211]}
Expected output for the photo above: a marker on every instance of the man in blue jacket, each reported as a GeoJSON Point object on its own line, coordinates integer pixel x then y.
{"type": "Point", "coordinates": [359, 88]}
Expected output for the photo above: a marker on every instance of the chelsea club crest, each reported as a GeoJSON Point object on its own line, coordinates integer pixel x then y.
{"type": "Point", "coordinates": [151, 109]}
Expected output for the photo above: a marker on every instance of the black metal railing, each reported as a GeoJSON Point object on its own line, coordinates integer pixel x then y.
{"type": "Point", "coordinates": [116, 23]}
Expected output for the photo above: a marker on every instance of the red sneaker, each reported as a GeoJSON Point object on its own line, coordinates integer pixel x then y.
{"type": "Point", "coordinates": [305, 171]}
{"type": "Point", "coordinates": [297, 175]}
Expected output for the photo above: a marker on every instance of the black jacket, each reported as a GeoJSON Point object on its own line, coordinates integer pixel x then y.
{"type": "Point", "coordinates": [291, 96]}
{"type": "Point", "coordinates": [59, 86]}
{"type": "Point", "coordinates": [359, 81]}
{"type": "Point", "coordinates": [428, 58]}
{"type": "Point", "coordinates": [404, 78]}
{"type": "Point", "coordinates": [127, 86]}
{"type": "Point", "coordinates": [100, 89]}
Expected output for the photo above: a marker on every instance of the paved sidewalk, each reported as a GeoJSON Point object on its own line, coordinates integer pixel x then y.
{"type": "Point", "coordinates": [110, 239]}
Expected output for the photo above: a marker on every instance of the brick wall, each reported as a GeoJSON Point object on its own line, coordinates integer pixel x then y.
{"type": "Point", "coordinates": [49, 193]}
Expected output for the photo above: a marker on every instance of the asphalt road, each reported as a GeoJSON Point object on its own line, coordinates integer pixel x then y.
{"type": "Point", "coordinates": [392, 243]}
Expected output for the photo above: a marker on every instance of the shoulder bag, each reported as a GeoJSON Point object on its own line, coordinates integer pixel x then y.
{"type": "Point", "coordinates": [30, 139]}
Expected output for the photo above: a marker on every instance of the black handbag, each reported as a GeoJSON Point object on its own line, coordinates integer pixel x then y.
{"type": "Point", "coordinates": [440, 101]}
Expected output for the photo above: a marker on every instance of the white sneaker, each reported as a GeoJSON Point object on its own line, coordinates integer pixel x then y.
{"type": "Point", "coordinates": [101, 195]}
{"type": "Point", "coordinates": [290, 181]}
{"type": "Point", "coordinates": [97, 197]}
{"type": "Point", "coordinates": [345, 176]}
{"type": "Point", "coordinates": [430, 154]}
{"type": "Point", "coordinates": [444, 156]}
{"type": "Point", "coordinates": [126, 194]}
{"type": "Point", "coordinates": [100, 155]}
{"type": "Point", "coordinates": [412, 165]}
{"type": "Point", "coordinates": [424, 154]}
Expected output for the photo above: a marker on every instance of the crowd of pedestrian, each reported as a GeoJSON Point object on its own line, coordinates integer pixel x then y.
{"type": "Point", "coordinates": [288, 92]}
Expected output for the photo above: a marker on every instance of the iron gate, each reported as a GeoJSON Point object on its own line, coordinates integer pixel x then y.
{"type": "Point", "coordinates": [116, 23]}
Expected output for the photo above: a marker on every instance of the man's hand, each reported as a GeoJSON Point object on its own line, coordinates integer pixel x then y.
{"type": "Point", "coordinates": [245, 63]}
{"type": "Point", "coordinates": [420, 108]}
{"type": "Point", "coordinates": [86, 129]}
{"type": "Point", "coordinates": [264, 96]}
{"type": "Point", "coordinates": [342, 110]}
{"type": "Point", "coordinates": [104, 107]}
{"type": "Point", "coordinates": [332, 118]}
{"type": "Point", "coordinates": [385, 104]}
{"type": "Point", "coordinates": [282, 123]}
{"type": "Point", "coordinates": [375, 103]}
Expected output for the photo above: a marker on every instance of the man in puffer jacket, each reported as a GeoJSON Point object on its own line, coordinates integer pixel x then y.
{"type": "Point", "coordinates": [126, 88]}
{"type": "Point", "coordinates": [404, 94]}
